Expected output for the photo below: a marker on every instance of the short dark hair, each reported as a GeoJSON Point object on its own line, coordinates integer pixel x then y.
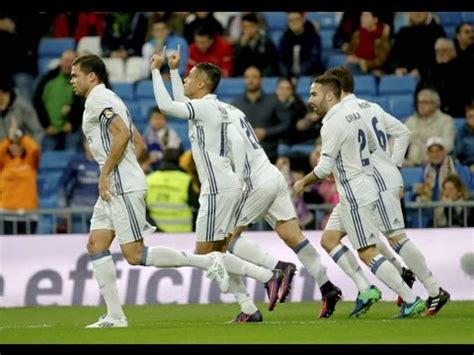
{"type": "Point", "coordinates": [250, 17]}
{"type": "Point", "coordinates": [212, 72]}
{"type": "Point", "coordinates": [331, 82]}
{"type": "Point", "coordinates": [91, 63]}
{"type": "Point", "coordinates": [344, 74]}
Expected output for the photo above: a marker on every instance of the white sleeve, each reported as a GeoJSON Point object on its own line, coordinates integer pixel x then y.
{"type": "Point", "coordinates": [164, 101]}
{"type": "Point", "coordinates": [238, 149]}
{"type": "Point", "coordinates": [330, 147]}
{"type": "Point", "coordinates": [371, 140]}
{"type": "Point", "coordinates": [401, 133]}
{"type": "Point", "coordinates": [177, 86]}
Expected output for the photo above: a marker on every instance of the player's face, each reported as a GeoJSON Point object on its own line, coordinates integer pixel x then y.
{"type": "Point", "coordinates": [80, 81]}
{"type": "Point", "coordinates": [191, 83]}
{"type": "Point", "coordinates": [317, 99]}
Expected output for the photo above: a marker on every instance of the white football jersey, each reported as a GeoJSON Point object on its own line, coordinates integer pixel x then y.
{"type": "Point", "coordinates": [386, 173]}
{"type": "Point", "coordinates": [101, 107]}
{"type": "Point", "coordinates": [250, 160]}
{"type": "Point", "coordinates": [346, 146]}
{"type": "Point", "coordinates": [207, 129]}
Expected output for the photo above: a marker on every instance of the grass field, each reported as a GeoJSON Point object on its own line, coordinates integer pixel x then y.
{"type": "Point", "coordinates": [185, 324]}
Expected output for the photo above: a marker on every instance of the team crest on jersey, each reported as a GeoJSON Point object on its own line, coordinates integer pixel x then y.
{"type": "Point", "coordinates": [108, 113]}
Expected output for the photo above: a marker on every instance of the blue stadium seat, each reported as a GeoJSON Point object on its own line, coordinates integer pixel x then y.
{"type": "Point", "coordinates": [401, 106]}
{"type": "Point", "coordinates": [54, 47]}
{"type": "Point", "coordinates": [450, 31]}
{"type": "Point", "coordinates": [365, 85]}
{"type": "Point", "coordinates": [450, 18]}
{"type": "Point", "coordinates": [336, 60]}
{"type": "Point", "coordinates": [55, 160]}
{"type": "Point", "coordinates": [382, 102]}
{"type": "Point", "coordinates": [326, 38]}
{"type": "Point", "coordinates": [45, 63]}
{"type": "Point", "coordinates": [45, 225]}
{"type": "Point", "coordinates": [411, 176]}
{"type": "Point", "coordinates": [304, 85]}
{"type": "Point", "coordinates": [145, 107]}
{"type": "Point", "coordinates": [144, 89]}
{"type": "Point", "coordinates": [269, 83]}
{"type": "Point", "coordinates": [276, 37]}
{"type": "Point", "coordinates": [124, 90]}
{"type": "Point", "coordinates": [276, 20]}
{"type": "Point", "coordinates": [140, 126]}
{"type": "Point", "coordinates": [459, 123]}
{"type": "Point", "coordinates": [135, 111]}
{"type": "Point", "coordinates": [396, 85]}
{"type": "Point", "coordinates": [48, 183]}
{"type": "Point", "coordinates": [326, 20]}
{"type": "Point", "coordinates": [468, 17]}
{"type": "Point", "coordinates": [181, 127]}
{"type": "Point", "coordinates": [231, 87]}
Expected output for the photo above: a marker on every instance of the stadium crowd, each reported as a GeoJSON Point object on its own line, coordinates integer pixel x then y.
{"type": "Point", "coordinates": [415, 65]}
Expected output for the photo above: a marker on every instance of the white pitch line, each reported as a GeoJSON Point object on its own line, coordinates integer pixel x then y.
{"type": "Point", "coordinates": [32, 326]}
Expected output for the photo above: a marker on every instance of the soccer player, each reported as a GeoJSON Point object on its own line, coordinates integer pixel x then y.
{"type": "Point", "coordinates": [390, 186]}
{"type": "Point", "coordinates": [220, 186]}
{"type": "Point", "coordinates": [346, 146]}
{"type": "Point", "coordinates": [120, 209]}
{"type": "Point", "coordinates": [265, 194]}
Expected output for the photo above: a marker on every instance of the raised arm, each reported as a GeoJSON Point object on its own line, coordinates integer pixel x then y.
{"type": "Point", "coordinates": [163, 99]}
{"type": "Point", "coordinates": [176, 81]}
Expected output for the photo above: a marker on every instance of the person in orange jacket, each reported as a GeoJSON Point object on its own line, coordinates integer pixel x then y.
{"type": "Point", "coordinates": [19, 159]}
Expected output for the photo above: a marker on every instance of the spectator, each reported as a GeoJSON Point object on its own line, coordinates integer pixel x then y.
{"type": "Point", "coordinates": [464, 147]}
{"type": "Point", "coordinates": [19, 159]}
{"type": "Point", "coordinates": [78, 25]}
{"type": "Point", "coordinates": [163, 36]}
{"type": "Point", "coordinates": [324, 192]}
{"type": "Point", "coordinates": [454, 190]}
{"type": "Point", "coordinates": [300, 48]}
{"type": "Point", "coordinates": [14, 107]}
{"type": "Point", "coordinates": [269, 118]}
{"type": "Point", "coordinates": [15, 61]}
{"type": "Point", "coordinates": [413, 48]}
{"type": "Point", "coordinates": [212, 48]}
{"type": "Point", "coordinates": [202, 19]}
{"type": "Point", "coordinates": [439, 166]}
{"type": "Point", "coordinates": [369, 46]}
{"type": "Point", "coordinates": [124, 34]}
{"type": "Point", "coordinates": [158, 137]}
{"type": "Point", "coordinates": [255, 48]}
{"type": "Point", "coordinates": [449, 72]}
{"type": "Point", "coordinates": [168, 195]}
{"type": "Point", "coordinates": [300, 136]}
{"type": "Point", "coordinates": [464, 40]}
{"type": "Point", "coordinates": [78, 186]}
{"type": "Point", "coordinates": [59, 110]}
{"type": "Point", "coordinates": [428, 121]}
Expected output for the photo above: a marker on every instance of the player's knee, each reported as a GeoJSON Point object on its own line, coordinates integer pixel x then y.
{"type": "Point", "coordinates": [93, 247]}
{"type": "Point", "coordinates": [133, 258]}
{"type": "Point", "coordinates": [328, 242]}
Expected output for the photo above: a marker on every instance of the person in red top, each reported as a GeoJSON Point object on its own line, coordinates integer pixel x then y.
{"type": "Point", "coordinates": [370, 45]}
{"type": "Point", "coordinates": [211, 48]}
{"type": "Point", "coordinates": [19, 159]}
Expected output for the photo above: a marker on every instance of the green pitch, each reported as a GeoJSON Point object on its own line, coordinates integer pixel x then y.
{"type": "Point", "coordinates": [288, 323]}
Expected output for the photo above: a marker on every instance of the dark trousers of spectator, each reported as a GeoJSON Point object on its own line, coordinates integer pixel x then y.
{"type": "Point", "coordinates": [21, 227]}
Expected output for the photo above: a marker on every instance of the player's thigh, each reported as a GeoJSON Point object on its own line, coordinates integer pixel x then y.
{"type": "Point", "coordinates": [390, 212]}
{"type": "Point", "coordinates": [282, 208]}
{"type": "Point", "coordinates": [216, 216]}
{"type": "Point", "coordinates": [129, 217]}
{"type": "Point", "coordinates": [255, 203]}
{"type": "Point", "coordinates": [361, 225]}
{"type": "Point", "coordinates": [334, 230]}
